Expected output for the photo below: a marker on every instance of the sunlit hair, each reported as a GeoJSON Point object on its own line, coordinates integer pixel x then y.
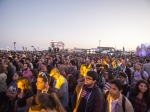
{"type": "Point", "coordinates": [3, 69]}
{"type": "Point", "coordinates": [25, 82]}
{"type": "Point", "coordinates": [46, 101]}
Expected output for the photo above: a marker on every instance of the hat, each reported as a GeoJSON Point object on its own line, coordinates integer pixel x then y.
{"type": "Point", "coordinates": [92, 74]}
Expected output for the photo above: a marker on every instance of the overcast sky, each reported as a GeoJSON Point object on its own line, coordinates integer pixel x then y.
{"type": "Point", "coordinates": [77, 23]}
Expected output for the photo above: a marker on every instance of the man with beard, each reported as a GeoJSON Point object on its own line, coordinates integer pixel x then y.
{"type": "Point", "coordinates": [87, 96]}
{"type": "Point", "coordinates": [26, 71]}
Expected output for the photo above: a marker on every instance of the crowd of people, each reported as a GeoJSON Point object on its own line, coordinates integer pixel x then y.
{"type": "Point", "coordinates": [73, 82]}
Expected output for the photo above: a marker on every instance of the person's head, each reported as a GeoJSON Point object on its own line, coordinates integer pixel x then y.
{"type": "Point", "coordinates": [43, 67]}
{"type": "Point", "coordinates": [55, 73]}
{"type": "Point", "coordinates": [3, 68]}
{"type": "Point", "coordinates": [147, 60]}
{"type": "Point", "coordinates": [23, 83]}
{"type": "Point", "coordinates": [123, 64]}
{"type": "Point", "coordinates": [21, 62]}
{"type": "Point", "coordinates": [108, 75]}
{"type": "Point", "coordinates": [72, 63]}
{"type": "Point", "coordinates": [70, 78]}
{"type": "Point", "coordinates": [115, 88]}
{"type": "Point", "coordinates": [141, 86]}
{"type": "Point", "coordinates": [26, 66]}
{"type": "Point", "coordinates": [34, 73]}
{"type": "Point", "coordinates": [43, 81]}
{"type": "Point", "coordinates": [44, 102]}
{"type": "Point", "coordinates": [17, 75]}
{"type": "Point", "coordinates": [28, 60]}
{"type": "Point", "coordinates": [90, 78]}
{"type": "Point", "coordinates": [122, 77]}
{"type": "Point", "coordinates": [138, 66]}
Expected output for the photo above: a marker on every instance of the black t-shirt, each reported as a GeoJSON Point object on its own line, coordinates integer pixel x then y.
{"type": "Point", "coordinates": [85, 94]}
{"type": "Point", "coordinates": [22, 101]}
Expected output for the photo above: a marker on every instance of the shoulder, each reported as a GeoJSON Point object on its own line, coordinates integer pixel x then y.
{"type": "Point", "coordinates": [128, 105]}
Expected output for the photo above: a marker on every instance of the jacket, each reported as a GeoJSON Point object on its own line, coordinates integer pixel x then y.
{"type": "Point", "coordinates": [118, 107]}
{"type": "Point", "coordinates": [94, 103]}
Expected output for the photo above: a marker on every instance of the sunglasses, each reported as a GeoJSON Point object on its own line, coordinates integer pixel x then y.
{"type": "Point", "coordinates": [43, 74]}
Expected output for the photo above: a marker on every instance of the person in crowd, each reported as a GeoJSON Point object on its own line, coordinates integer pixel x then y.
{"type": "Point", "coordinates": [108, 76]}
{"type": "Point", "coordinates": [71, 88]}
{"type": "Point", "coordinates": [126, 70]}
{"type": "Point", "coordinates": [43, 67]}
{"type": "Point", "coordinates": [126, 86]}
{"type": "Point", "coordinates": [138, 74]}
{"type": "Point", "coordinates": [25, 95]}
{"type": "Point", "coordinates": [60, 86]}
{"type": "Point", "coordinates": [73, 69]}
{"type": "Point", "coordinates": [146, 66]}
{"type": "Point", "coordinates": [20, 65]}
{"type": "Point", "coordinates": [26, 71]}
{"type": "Point", "coordinates": [115, 101]}
{"type": "Point", "coordinates": [10, 74]}
{"type": "Point", "coordinates": [87, 96]}
{"type": "Point", "coordinates": [49, 66]}
{"type": "Point", "coordinates": [12, 92]}
{"type": "Point", "coordinates": [28, 60]}
{"type": "Point", "coordinates": [34, 73]}
{"type": "Point", "coordinates": [43, 81]}
{"type": "Point", "coordinates": [3, 86]}
{"type": "Point", "coordinates": [44, 102]}
{"type": "Point", "coordinates": [139, 96]}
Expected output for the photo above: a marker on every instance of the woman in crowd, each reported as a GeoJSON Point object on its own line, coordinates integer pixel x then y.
{"type": "Point", "coordinates": [139, 96]}
{"type": "Point", "coordinates": [25, 95]}
{"type": "Point", "coordinates": [44, 102]}
{"type": "Point", "coordinates": [43, 83]}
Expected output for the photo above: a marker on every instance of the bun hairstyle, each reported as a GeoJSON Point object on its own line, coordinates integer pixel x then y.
{"type": "Point", "coordinates": [47, 101]}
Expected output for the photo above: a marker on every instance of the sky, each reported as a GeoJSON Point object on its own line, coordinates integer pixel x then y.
{"type": "Point", "coordinates": [77, 23]}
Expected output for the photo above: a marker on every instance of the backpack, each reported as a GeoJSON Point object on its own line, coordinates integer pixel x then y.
{"type": "Point", "coordinates": [123, 100]}
{"type": "Point", "coordinates": [141, 73]}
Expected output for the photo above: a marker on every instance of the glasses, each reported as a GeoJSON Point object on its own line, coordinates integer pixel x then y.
{"type": "Point", "coordinates": [43, 74]}
{"type": "Point", "coordinates": [88, 78]}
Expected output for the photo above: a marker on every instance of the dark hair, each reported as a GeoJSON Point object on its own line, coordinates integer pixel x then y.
{"type": "Point", "coordinates": [47, 101]}
{"type": "Point", "coordinates": [147, 60]}
{"type": "Point", "coordinates": [45, 77]}
{"type": "Point", "coordinates": [34, 73]}
{"type": "Point", "coordinates": [92, 74]}
{"type": "Point", "coordinates": [123, 74]}
{"type": "Point", "coordinates": [135, 91]}
{"type": "Point", "coordinates": [72, 62]}
{"type": "Point", "coordinates": [21, 61]}
{"type": "Point", "coordinates": [117, 83]}
{"type": "Point", "coordinates": [28, 65]}
{"type": "Point", "coordinates": [19, 73]}
{"type": "Point", "coordinates": [71, 83]}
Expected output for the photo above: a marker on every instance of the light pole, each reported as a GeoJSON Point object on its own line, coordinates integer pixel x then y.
{"type": "Point", "coordinates": [33, 48]}
{"type": "Point", "coordinates": [99, 45]}
{"type": "Point", "coordinates": [15, 46]}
